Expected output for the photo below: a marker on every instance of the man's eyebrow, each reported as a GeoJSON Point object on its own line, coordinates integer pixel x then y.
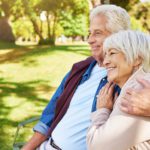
{"type": "Point", "coordinates": [96, 30]}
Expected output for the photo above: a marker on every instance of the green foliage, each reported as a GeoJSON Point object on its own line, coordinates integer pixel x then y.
{"type": "Point", "coordinates": [141, 12]}
{"type": "Point", "coordinates": [79, 6]}
{"type": "Point", "coordinates": [25, 28]}
{"type": "Point", "coordinates": [49, 5]}
{"type": "Point", "coordinates": [30, 8]}
{"type": "Point", "coordinates": [75, 21]}
{"type": "Point", "coordinates": [136, 24]}
{"type": "Point", "coordinates": [11, 7]}
{"type": "Point", "coordinates": [74, 25]}
{"type": "Point", "coordinates": [17, 7]}
{"type": "Point", "coordinates": [127, 4]}
{"type": "Point", "coordinates": [58, 12]}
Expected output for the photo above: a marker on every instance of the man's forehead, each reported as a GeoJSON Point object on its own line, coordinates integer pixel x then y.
{"type": "Point", "coordinates": [98, 23]}
{"type": "Point", "coordinates": [99, 18]}
{"type": "Point", "coordinates": [97, 27]}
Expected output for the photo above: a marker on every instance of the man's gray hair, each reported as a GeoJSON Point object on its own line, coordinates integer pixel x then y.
{"type": "Point", "coordinates": [117, 17]}
{"type": "Point", "coordinates": [133, 44]}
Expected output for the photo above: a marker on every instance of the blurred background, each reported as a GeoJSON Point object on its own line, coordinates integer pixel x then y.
{"type": "Point", "coordinates": [39, 42]}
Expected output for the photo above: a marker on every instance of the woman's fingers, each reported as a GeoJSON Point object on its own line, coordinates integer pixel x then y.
{"type": "Point", "coordinates": [106, 88]}
{"type": "Point", "coordinates": [105, 97]}
{"type": "Point", "coordinates": [111, 89]}
{"type": "Point", "coordinates": [116, 96]}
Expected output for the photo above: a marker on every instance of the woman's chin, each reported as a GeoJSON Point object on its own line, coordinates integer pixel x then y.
{"type": "Point", "coordinates": [110, 79]}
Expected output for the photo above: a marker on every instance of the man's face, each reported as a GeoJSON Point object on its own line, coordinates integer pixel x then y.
{"type": "Point", "coordinates": [97, 35]}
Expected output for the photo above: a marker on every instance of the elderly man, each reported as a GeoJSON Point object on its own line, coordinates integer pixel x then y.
{"type": "Point", "coordinates": [65, 120]}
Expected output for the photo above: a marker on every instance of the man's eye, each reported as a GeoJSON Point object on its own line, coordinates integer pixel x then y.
{"type": "Point", "coordinates": [98, 33]}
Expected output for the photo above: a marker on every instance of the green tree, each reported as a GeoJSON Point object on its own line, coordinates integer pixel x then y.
{"type": "Point", "coordinates": [56, 10]}
{"type": "Point", "coordinates": [52, 9]}
{"type": "Point", "coordinates": [31, 11]}
{"type": "Point", "coordinates": [74, 25]}
{"type": "Point", "coordinates": [25, 29]}
{"type": "Point", "coordinates": [127, 4]}
{"type": "Point", "coordinates": [141, 12]}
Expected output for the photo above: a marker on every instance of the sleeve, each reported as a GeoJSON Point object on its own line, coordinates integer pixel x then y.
{"type": "Point", "coordinates": [98, 118]}
{"type": "Point", "coordinates": [117, 130]}
{"type": "Point", "coordinates": [47, 116]}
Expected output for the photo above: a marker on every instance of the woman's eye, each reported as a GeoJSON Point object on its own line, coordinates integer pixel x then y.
{"type": "Point", "coordinates": [112, 53]}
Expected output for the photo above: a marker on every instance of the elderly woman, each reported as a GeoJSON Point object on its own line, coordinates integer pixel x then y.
{"type": "Point", "coordinates": [127, 57]}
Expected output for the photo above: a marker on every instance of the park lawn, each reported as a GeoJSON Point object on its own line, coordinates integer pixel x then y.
{"type": "Point", "coordinates": [29, 76]}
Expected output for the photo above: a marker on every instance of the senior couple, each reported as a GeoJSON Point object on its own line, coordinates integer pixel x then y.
{"type": "Point", "coordinates": [88, 110]}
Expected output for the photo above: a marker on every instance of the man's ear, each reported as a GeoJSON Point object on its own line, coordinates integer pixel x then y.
{"type": "Point", "coordinates": [137, 62]}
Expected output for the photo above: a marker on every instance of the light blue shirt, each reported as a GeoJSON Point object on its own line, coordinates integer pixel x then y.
{"type": "Point", "coordinates": [48, 114]}
{"type": "Point", "coordinates": [70, 133]}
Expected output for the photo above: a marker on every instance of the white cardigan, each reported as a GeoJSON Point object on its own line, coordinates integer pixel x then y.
{"type": "Point", "coordinates": [117, 130]}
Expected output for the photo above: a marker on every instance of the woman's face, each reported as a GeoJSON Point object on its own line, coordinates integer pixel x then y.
{"type": "Point", "coordinates": [118, 69]}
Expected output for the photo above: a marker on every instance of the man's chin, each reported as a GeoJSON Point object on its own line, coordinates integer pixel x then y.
{"type": "Point", "coordinates": [95, 57]}
{"type": "Point", "coordinates": [98, 59]}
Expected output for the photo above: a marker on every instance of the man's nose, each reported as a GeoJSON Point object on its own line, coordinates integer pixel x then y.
{"type": "Point", "coordinates": [91, 39]}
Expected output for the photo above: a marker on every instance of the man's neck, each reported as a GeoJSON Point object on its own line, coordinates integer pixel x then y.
{"type": "Point", "coordinates": [100, 64]}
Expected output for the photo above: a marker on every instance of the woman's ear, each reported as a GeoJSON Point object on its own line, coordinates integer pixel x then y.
{"type": "Point", "coordinates": [137, 62]}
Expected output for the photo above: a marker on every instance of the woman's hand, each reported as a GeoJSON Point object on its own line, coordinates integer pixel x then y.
{"type": "Point", "coordinates": [105, 97]}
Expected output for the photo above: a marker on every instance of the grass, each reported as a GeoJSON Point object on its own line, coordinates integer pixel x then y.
{"type": "Point", "coordinates": [29, 76]}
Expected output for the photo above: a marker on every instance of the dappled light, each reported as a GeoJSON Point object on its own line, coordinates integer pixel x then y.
{"type": "Point", "coordinates": [29, 77]}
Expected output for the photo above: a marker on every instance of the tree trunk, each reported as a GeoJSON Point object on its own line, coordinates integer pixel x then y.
{"type": "Point", "coordinates": [53, 37]}
{"type": "Point", "coordinates": [48, 26]}
{"type": "Point", "coordinates": [6, 33]}
{"type": "Point", "coordinates": [36, 29]}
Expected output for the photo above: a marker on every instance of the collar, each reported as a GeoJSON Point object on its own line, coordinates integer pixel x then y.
{"type": "Point", "coordinates": [89, 70]}
{"type": "Point", "coordinates": [87, 73]}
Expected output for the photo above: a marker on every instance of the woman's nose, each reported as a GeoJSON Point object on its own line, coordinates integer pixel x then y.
{"type": "Point", "coordinates": [106, 61]}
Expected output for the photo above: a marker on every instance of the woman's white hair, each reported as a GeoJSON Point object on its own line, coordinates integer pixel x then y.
{"type": "Point", "coordinates": [133, 44]}
{"type": "Point", "coordinates": [117, 17]}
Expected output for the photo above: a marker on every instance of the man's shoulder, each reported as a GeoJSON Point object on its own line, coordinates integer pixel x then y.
{"type": "Point", "coordinates": [88, 60]}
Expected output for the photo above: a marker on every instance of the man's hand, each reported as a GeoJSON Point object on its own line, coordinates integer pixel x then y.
{"type": "Point", "coordinates": [36, 140]}
{"type": "Point", "coordinates": [137, 102]}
